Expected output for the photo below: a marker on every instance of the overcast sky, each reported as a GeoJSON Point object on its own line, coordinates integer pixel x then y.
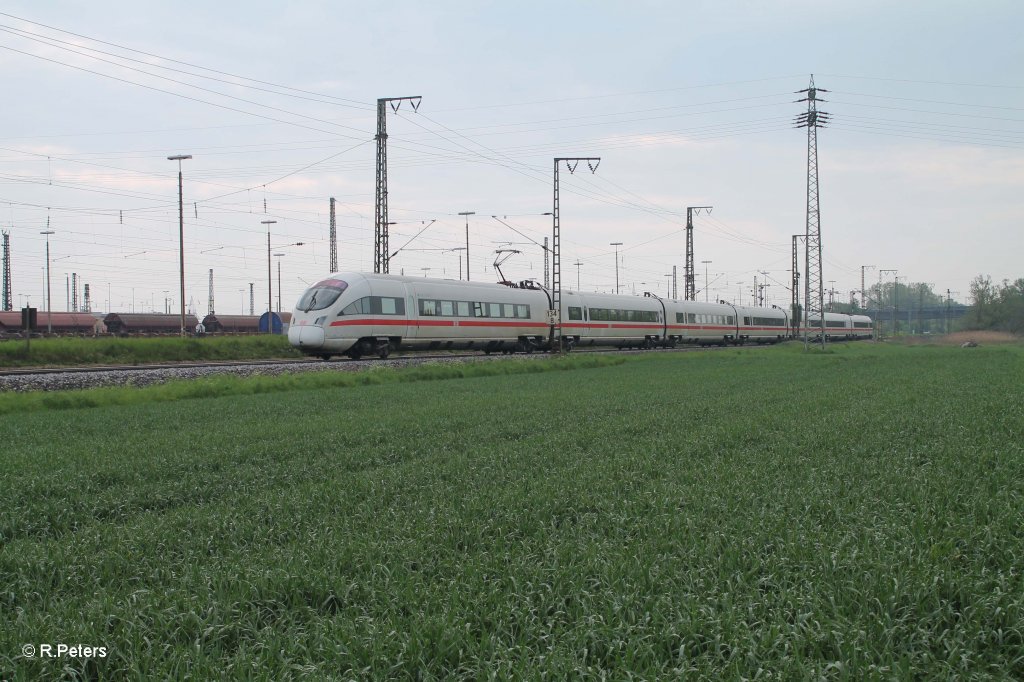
{"type": "Point", "coordinates": [686, 103]}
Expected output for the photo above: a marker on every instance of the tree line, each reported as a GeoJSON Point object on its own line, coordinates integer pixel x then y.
{"type": "Point", "coordinates": [916, 308]}
{"type": "Point", "coordinates": [998, 307]}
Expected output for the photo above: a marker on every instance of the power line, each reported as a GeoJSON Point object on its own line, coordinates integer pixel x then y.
{"type": "Point", "coordinates": [364, 105]}
{"type": "Point", "coordinates": [178, 94]}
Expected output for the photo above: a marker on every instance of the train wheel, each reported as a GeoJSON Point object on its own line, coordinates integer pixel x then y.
{"type": "Point", "coordinates": [325, 357]}
{"type": "Point", "coordinates": [384, 351]}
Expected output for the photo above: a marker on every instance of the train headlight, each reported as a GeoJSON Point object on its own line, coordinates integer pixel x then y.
{"type": "Point", "coordinates": [320, 321]}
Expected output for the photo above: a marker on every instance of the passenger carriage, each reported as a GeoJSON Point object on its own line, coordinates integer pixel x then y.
{"type": "Point", "coordinates": [371, 314]}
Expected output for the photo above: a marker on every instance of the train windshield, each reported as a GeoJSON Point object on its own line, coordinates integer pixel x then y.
{"type": "Point", "coordinates": [321, 295]}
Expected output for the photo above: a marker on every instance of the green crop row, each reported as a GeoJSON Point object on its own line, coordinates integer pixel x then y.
{"type": "Point", "coordinates": [229, 385]}
{"type": "Point", "coordinates": [757, 513]}
{"type": "Point", "coordinates": [132, 350]}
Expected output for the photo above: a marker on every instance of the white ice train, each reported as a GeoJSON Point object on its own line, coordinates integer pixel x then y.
{"type": "Point", "coordinates": [358, 314]}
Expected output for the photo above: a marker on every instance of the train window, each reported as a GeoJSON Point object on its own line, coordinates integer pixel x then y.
{"type": "Point", "coordinates": [447, 308]}
{"type": "Point", "coordinates": [462, 308]}
{"type": "Point", "coordinates": [575, 313]}
{"type": "Point", "coordinates": [493, 309]}
{"type": "Point", "coordinates": [375, 305]}
{"type": "Point", "coordinates": [478, 309]}
{"type": "Point", "coordinates": [728, 320]}
{"type": "Point", "coordinates": [322, 295]}
{"type": "Point", "coordinates": [428, 307]}
{"type": "Point", "coordinates": [508, 310]}
{"type": "Point", "coordinates": [353, 308]}
{"type": "Point", "coordinates": [522, 311]}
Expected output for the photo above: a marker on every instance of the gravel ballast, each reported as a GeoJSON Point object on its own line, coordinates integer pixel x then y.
{"type": "Point", "coordinates": [71, 380]}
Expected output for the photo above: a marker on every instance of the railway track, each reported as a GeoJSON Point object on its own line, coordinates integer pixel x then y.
{"type": "Point", "coordinates": [84, 369]}
{"type": "Point", "coordinates": [26, 378]}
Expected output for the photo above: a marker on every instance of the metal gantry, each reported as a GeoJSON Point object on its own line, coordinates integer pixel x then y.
{"type": "Point", "coordinates": [380, 214]}
{"type": "Point", "coordinates": [689, 277]}
{"type": "Point", "coordinates": [555, 336]}
{"type": "Point", "coordinates": [814, 290]}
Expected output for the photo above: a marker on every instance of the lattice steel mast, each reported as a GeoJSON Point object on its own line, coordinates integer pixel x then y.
{"type": "Point", "coordinates": [794, 310]}
{"type": "Point", "coordinates": [547, 265]}
{"type": "Point", "coordinates": [8, 294]}
{"type": "Point", "coordinates": [555, 338]}
{"type": "Point", "coordinates": [209, 304]}
{"type": "Point", "coordinates": [380, 215]}
{"type": "Point", "coordinates": [689, 276]}
{"type": "Point", "coordinates": [814, 292]}
{"type": "Point", "coordinates": [334, 240]}
{"type": "Point", "coordinates": [863, 291]}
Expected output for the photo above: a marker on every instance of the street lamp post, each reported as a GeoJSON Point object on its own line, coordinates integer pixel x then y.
{"type": "Point", "coordinates": [270, 281]}
{"type": "Point", "coordinates": [49, 321]}
{"type": "Point", "coordinates": [616, 245]}
{"type": "Point", "coordinates": [181, 236]}
{"type": "Point", "coordinates": [459, 248]}
{"type": "Point", "coordinates": [467, 214]}
{"type": "Point", "coordinates": [705, 262]}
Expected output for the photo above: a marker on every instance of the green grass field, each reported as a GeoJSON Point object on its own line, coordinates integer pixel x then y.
{"type": "Point", "coordinates": [139, 350]}
{"type": "Point", "coordinates": [756, 513]}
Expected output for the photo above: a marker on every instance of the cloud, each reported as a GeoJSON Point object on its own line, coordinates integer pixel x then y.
{"type": "Point", "coordinates": [946, 167]}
